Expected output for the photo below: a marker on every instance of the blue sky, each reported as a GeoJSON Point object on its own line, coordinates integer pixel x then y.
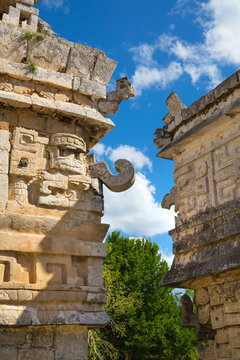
{"type": "Point", "coordinates": [183, 45]}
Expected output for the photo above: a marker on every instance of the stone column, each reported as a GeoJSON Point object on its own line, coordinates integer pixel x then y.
{"type": "Point", "coordinates": [53, 110]}
{"type": "Point", "coordinates": [204, 141]}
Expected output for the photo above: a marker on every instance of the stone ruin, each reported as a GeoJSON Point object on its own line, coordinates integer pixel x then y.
{"type": "Point", "coordinates": [204, 142]}
{"type": "Point", "coordinates": [53, 110]}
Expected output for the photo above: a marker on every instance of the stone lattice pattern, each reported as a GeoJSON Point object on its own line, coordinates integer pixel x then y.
{"type": "Point", "coordinates": [204, 141]}
{"type": "Point", "coordinates": [53, 107]}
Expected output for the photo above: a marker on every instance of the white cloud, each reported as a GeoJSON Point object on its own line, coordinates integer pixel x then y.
{"type": "Point", "coordinates": [167, 257]}
{"type": "Point", "coordinates": [220, 46]}
{"type": "Point", "coordinates": [99, 150]}
{"type": "Point", "coordinates": [143, 54]}
{"type": "Point", "coordinates": [57, 4]}
{"type": "Point", "coordinates": [222, 38]}
{"type": "Point", "coordinates": [132, 154]}
{"type": "Point", "coordinates": [135, 211]}
{"type": "Point", "coordinates": [147, 77]}
{"type": "Point", "coordinates": [136, 156]}
{"type": "Point", "coordinates": [185, 7]}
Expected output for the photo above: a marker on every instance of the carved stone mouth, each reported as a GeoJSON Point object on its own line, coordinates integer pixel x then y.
{"type": "Point", "coordinates": [71, 165]}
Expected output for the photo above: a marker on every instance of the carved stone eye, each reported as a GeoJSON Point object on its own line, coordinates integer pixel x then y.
{"type": "Point", "coordinates": [23, 163]}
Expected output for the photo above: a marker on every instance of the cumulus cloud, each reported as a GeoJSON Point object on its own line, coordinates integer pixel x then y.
{"type": "Point", "coordinates": [167, 257]}
{"type": "Point", "coordinates": [132, 154]}
{"type": "Point", "coordinates": [135, 211]}
{"type": "Point", "coordinates": [99, 150]}
{"type": "Point", "coordinates": [136, 156]}
{"type": "Point", "coordinates": [222, 39]}
{"type": "Point", "coordinates": [146, 77]}
{"type": "Point", "coordinates": [203, 60]}
{"type": "Point", "coordinates": [57, 4]}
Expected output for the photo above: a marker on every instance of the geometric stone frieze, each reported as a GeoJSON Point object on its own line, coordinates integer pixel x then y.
{"type": "Point", "coordinates": [204, 141]}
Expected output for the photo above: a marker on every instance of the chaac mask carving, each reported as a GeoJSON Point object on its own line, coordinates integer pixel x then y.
{"type": "Point", "coordinates": [61, 169]}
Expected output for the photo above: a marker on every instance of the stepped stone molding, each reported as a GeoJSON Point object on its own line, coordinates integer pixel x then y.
{"type": "Point", "coordinates": [53, 110]}
{"type": "Point", "coordinates": [204, 142]}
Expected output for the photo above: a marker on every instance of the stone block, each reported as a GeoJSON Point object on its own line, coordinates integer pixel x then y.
{"type": "Point", "coordinates": [8, 353]}
{"type": "Point", "coordinates": [92, 88]}
{"type": "Point", "coordinates": [53, 78]}
{"type": "Point", "coordinates": [27, 9]}
{"type": "Point", "coordinates": [19, 101]}
{"type": "Point", "coordinates": [235, 354]}
{"type": "Point", "coordinates": [10, 337]}
{"type": "Point", "coordinates": [202, 296]}
{"type": "Point", "coordinates": [42, 337]}
{"type": "Point", "coordinates": [223, 351]}
{"type": "Point", "coordinates": [13, 44]}
{"type": "Point", "coordinates": [103, 69]}
{"type": "Point", "coordinates": [64, 96]}
{"type": "Point", "coordinates": [81, 61]}
{"type": "Point", "coordinates": [25, 88]}
{"type": "Point", "coordinates": [71, 343]}
{"type": "Point", "coordinates": [174, 104]}
{"type": "Point", "coordinates": [28, 2]}
{"type": "Point", "coordinates": [3, 187]}
{"type": "Point", "coordinates": [54, 126]}
{"type": "Point", "coordinates": [82, 100]}
{"type": "Point", "coordinates": [12, 18]}
{"type": "Point", "coordinates": [4, 140]}
{"type": "Point", "coordinates": [31, 120]}
{"type": "Point", "coordinates": [24, 295]}
{"type": "Point", "coordinates": [36, 354]}
{"type": "Point", "coordinates": [4, 162]}
{"type": "Point", "coordinates": [13, 69]}
{"type": "Point", "coordinates": [44, 105]}
{"type": "Point", "coordinates": [49, 54]}
{"type": "Point", "coordinates": [45, 91]}
{"type": "Point", "coordinates": [222, 336]}
{"type": "Point", "coordinates": [95, 272]}
{"type": "Point", "coordinates": [76, 83]}
{"type": "Point", "coordinates": [6, 84]}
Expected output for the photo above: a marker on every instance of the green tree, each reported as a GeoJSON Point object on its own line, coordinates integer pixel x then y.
{"type": "Point", "coordinates": [145, 318]}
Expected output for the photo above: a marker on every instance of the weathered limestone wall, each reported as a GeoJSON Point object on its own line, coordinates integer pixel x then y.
{"type": "Point", "coordinates": [53, 110]}
{"type": "Point", "coordinates": [44, 343]}
{"type": "Point", "coordinates": [204, 141]}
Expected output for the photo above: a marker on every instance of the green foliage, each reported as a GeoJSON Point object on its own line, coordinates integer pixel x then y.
{"type": "Point", "coordinates": [145, 318]}
{"type": "Point", "coordinates": [32, 66]}
{"type": "Point", "coordinates": [29, 35]}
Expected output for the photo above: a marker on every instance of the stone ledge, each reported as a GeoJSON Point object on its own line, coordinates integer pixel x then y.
{"type": "Point", "coordinates": [69, 109]}
{"type": "Point", "coordinates": [209, 233]}
{"type": "Point", "coordinates": [46, 297]}
{"type": "Point", "coordinates": [53, 287]}
{"type": "Point", "coordinates": [50, 245]}
{"type": "Point", "coordinates": [220, 258]}
{"type": "Point", "coordinates": [40, 225]}
{"type": "Point", "coordinates": [31, 315]}
{"type": "Point", "coordinates": [181, 120]}
{"type": "Point", "coordinates": [209, 214]}
{"type": "Point", "coordinates": [166, 151]}
{"type": "Point", "coordinates": [53, 78]}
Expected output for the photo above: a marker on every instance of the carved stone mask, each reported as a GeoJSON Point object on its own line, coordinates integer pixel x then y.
{"type": "Point", "coordinates": [67, 153]}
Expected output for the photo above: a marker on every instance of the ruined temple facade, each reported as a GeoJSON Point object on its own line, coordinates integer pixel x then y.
{"type": "Point", "coordinates": [53, 110]}
{"type": "Point", "coordinates": [204, 142]}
